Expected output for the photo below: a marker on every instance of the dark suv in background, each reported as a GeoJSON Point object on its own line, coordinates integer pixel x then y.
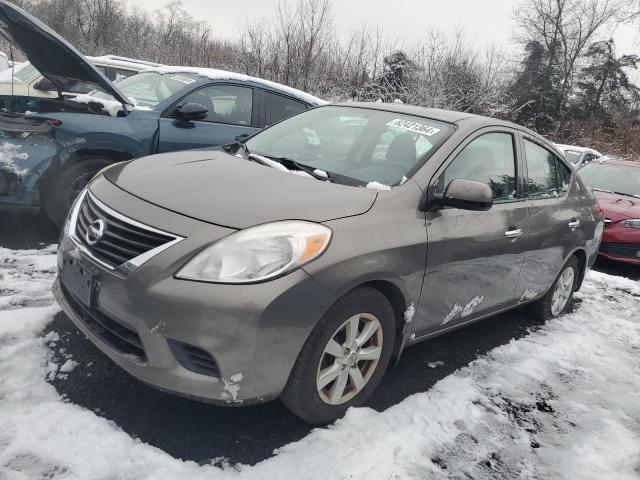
{"type": "Point", "coordinates": [48, 155]}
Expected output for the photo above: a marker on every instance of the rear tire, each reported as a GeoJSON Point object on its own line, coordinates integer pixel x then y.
{"type": "Point", "coordinates": [558, 298]}
{"type": "Point", "coordinates": [60, 194]}
{"type": "Point", "coordinates": [329, 353]}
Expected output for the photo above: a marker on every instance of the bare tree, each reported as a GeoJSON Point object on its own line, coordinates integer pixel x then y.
{"type": "Point", "coordinates": [565, 28]}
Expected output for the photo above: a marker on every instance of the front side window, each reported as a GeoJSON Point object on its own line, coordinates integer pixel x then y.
{"type": "Point", "coordinates": [542, 171]}
{"type": "Point", "coordinates": [278, 107]}
{"type": "Point", "coordinates": [225, 103]}
{"type": "Point", "coordinates": [366, 145]}
{"type": "Point", "coordinates": [564, 176]}
{"type": "Point", "coordinates": [488, 159]}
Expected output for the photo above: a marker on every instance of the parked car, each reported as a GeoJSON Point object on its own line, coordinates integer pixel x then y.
{"type": "Point", "coordinates": [298, 263]}
{"type": "Point", "coordinates": [578, 156]}
{"type": "Point", "coordinates": [616, 184]}
{"type": "Point", "coordinates": [61, 143]}
{"type": "Point", "coordinates": [18, 88]}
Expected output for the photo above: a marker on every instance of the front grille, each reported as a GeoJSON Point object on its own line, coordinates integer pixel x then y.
{"type": "Point", "coordinates": [624, 250]}
{"type": "Point", "coordinates": [194, 358]}
{"type": "Point", "coordinates": [118, 336]}
{"type": "Point", "coordinates": [122, 239]}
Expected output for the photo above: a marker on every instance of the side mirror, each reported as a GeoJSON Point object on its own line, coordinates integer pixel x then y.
{"type": "Point", "coordinates": [465, 195]}
{"type": "Point", "coordinates": [192, 111]}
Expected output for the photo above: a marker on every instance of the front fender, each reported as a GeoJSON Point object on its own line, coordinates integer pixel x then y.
{"type": "Point", "coordinates": [27, 150]}
{"type": "Point", "coordinates": [133, 135]}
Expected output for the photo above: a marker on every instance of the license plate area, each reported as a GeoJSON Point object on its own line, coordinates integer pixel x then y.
{"type": "Point", "coordinates": [79, 279]}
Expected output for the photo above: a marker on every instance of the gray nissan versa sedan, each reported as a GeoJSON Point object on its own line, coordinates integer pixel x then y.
{"type": "Point", "coordinates": [298, 263]}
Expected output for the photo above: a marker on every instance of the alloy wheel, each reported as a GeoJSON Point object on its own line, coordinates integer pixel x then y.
{"type": "Point", "coordinates": [349, 359]}
{"type": "Point", "coordinates": [563, 290]}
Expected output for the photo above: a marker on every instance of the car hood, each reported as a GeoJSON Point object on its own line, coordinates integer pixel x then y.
{"type": "Point", "coordinates": [219, 188]}
{"type": "Point", "coordinates": [52, 55]}
{"type": "Point", "coordinates": [618, 207]}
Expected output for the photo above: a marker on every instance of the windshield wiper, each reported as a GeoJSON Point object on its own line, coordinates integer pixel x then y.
{"type": "Point", "coordinates": [616, 193]}
{"type": "Point", "coordinates": [238, 145]}
{"type": "Point", "coordinates": [291, 164]}
{"type": "Point", "coordinates": [627, 194]}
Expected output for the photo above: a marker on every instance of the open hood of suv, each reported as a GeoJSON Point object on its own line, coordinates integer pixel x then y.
{"type": "Point", "coordinates": [216, 187]}
{"type": "Point", "coordinates": [52, 55]}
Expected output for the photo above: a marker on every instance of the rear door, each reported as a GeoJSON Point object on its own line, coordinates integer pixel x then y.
{"type": "Point", "coordinates": [231, 114]}
{"type": "Point", "coordinates": [474, 258]}
{"type": "Point", "coordinates": [556, 227]}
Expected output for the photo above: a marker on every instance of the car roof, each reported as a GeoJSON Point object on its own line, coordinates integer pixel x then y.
{"type": "Point", "coordinates": [576, 148]}
{"type": "Point", "coordinates": [221, 75]}
{"type": "Point", "coordinates": [448, 116]}
{"type": "Point", "coordinates": [122, 62]}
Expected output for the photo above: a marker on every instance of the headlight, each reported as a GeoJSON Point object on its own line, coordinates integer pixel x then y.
{"type": "Point", "coordinates": [633, 223]}
{"type": "Point", "coordinates": [259, 253]}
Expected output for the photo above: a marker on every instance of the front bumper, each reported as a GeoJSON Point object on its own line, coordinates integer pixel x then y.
{"type": "Point", "coordinates": [253, 333]}
{"type": "Point", "coordinates": [621, 244]}
{"type": "Point", "coordinates": [621, 252]}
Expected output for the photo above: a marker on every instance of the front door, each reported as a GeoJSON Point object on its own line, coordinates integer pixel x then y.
{"type": "Point", "coordinates": [474, 258]}
{"type": "Point", "coordinates": [230, 115]}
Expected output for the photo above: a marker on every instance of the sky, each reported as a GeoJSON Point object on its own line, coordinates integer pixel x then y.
{"type": "Point", "coordinates": [485, 22]}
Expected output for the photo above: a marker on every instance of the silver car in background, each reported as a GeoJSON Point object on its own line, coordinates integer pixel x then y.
{"type": "Point", "coordinates": [298, 263]}
{"type": "Point", "coordinates": [578, 156]}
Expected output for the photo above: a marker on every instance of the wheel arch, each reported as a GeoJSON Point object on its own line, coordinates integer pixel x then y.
{"type": "Point", "coordinates": [398, 300]}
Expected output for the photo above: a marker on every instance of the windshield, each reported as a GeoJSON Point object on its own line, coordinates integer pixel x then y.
{"type": "Point", "coordinates": [363, 144]}
{"type": "Point", "coordinates": [572, 156]}
{"type": "Point", "coordinates": [148, 89]}
{"type": "Point", "coordinates": [612, 178]}
{"type": "Point", "coordinates": [24, 72]}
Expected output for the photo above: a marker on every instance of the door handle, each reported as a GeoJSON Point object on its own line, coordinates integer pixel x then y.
{"type": "Point", "coordinates": [513, 234]}
{"type": "Point", "coordinates": [573, 224]}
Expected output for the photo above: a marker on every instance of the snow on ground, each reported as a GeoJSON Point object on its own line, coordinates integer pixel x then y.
{"type": "Point", "coordinates": [562, 402]}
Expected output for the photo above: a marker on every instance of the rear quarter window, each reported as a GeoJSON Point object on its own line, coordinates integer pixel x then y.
{"type": "Point", "coordinates": [542, 167]}
{"type": "Point", "coordinates": [278, 107]}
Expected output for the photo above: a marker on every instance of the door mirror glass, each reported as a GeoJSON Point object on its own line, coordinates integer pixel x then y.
{"type": "Point", "coordinates": [467, 195]}
{"type": "Point", "coordinates": [192, 111]}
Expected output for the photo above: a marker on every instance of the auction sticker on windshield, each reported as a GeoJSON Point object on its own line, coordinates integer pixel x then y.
{"type": "Point", "coordinates": [413, 127]}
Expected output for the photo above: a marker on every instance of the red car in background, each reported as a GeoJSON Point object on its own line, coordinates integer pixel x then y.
{"type": "Point", "coordinates": [616, 184]}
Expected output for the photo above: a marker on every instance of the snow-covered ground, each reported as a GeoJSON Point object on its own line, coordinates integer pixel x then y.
{"type": "Point", "coordinates": [562, 402]}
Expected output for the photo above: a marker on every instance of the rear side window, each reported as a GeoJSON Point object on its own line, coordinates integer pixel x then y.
{"type": "Point", "coordinates": [542, 170]}
{"type": "Point", "coordinates": [278, 107]}
{"type": "Point", "coordinates": [564, 176]}
{"type": "Point", "coordinates": [488, 159]}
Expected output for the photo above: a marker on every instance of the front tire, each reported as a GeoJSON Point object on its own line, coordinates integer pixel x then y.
{"type": "Point", "coordinates": [344, 359]}
{"type": "Point", "coordinates": [60, 193]}
{"type": "Point", "coordinates": [558, 298]}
